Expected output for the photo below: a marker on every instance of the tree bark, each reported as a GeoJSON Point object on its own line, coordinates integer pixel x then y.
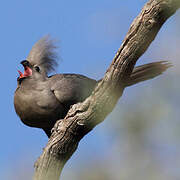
{"type": "Point", "coordinates": [83, 117]}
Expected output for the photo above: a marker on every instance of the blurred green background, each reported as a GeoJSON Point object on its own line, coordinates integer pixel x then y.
{"type": "Point", "coordinates": [140, 138]}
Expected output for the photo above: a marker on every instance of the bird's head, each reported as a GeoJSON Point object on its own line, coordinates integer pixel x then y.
{"type": "Point", "coordinates": [41, 60]}
{"type": "Point", "coordinates": [29, 70]}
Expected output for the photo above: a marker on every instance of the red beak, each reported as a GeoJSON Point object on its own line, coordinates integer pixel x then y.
{"type": "Point", "coordinates": [20, 74]}
{"type": "Point", "coordinates": [27, 70]}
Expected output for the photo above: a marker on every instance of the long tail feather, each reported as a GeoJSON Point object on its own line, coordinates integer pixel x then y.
{"type": "Point", "coordinates": [147, 71]}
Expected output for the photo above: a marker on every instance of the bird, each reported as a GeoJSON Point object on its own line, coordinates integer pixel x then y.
{"type": "Point", "coordinates": [41, 99]}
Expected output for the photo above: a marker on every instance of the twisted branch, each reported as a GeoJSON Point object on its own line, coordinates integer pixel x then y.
{"type": "Point", "coordinates": [83, 117]}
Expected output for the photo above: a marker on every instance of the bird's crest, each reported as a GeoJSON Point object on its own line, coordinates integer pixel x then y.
{"type": "Point", "coordinates": [43, 54]}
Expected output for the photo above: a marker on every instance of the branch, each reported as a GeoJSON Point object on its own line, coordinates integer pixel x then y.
{"type": "Point", "coordinates": [83, 117]}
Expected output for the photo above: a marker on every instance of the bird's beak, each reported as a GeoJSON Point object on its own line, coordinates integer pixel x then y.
{"type": "Point", "coordinates": [20, 74]}
{"type": "Point", "coordinates": [27, 69]}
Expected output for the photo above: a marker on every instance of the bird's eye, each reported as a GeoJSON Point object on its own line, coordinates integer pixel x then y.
{"type": "Point", "coordinates": [37, 68]}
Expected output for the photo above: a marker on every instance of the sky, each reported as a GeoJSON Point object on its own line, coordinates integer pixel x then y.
{"type": "Point", "coordinates": [88, 35]}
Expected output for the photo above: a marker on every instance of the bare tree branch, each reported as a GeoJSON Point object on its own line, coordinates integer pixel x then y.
{"type": "Point", "coordinates": [83, 117]}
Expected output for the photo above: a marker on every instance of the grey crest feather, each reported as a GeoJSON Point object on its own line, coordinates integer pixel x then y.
{"type": "Point", "coordinates": [43, 54]}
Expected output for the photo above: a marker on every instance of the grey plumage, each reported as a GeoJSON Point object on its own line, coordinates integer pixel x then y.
{"type": "Point", "coordinates": [40, 100]}
{"type": "Point", "coordinates": [43, 54]}
{"type": "Point", "coordinates": [147, 71]}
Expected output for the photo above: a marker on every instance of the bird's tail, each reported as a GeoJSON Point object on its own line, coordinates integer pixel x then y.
{"type": "Point", "coordinates": [147, 71]}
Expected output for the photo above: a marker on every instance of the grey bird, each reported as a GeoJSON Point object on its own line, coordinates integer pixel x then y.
{"type": "Point", "coordinates": [40, 100]}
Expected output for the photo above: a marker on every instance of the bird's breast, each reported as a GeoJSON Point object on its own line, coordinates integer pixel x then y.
{"type": "Point", "coordinates": [37, 108]}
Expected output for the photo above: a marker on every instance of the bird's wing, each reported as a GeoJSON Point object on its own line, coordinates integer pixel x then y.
{"type": "Point", "coordinates": [71, 88]}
